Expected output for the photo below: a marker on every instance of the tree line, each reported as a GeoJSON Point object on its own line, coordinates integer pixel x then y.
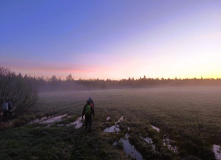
{"type": "Point", "coordinates": [55, 83]}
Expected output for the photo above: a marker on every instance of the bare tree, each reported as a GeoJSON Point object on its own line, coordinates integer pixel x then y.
{"type": "Point", "coordinates": [13, 87]}
{"type": "Point", "coordinates": [69, 78]}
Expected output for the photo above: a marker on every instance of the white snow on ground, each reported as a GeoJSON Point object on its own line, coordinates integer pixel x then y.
{"type": "Point", "coordinates": [217, 151]}
{"type": "Point", "coordinates": [166, 142]}
{"type": "Point", "coordinates": [108, 118]}
{"type": "Point", "coordinates": [78, 123]}
{"type": "Point", "coordinates": [111, 129]}
{"type": "Point", "coordinates": [155, 128]}
{"type": "Point", "coordinates": [114, 128]}
{"type": "Point", "coordinates": [51, 120]}
{"type": "Point", "coordinates": [121, 119]}
{"type": "Point", "coordinates": [47, 120]}
{"type": "Point", "coordinates": [149, 141]}
{"type": "Point", "coordinates": [38, 120]}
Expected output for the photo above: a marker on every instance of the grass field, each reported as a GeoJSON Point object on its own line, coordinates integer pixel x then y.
{"type": "Point", "coordinates": [189, 116]}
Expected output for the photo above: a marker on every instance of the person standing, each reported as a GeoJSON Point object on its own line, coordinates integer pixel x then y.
{"type": "Point", "coordinates": [91, 102]}
{"type": "Point", "coordinates": [7, 109]}
{"type": "Point", "coordinates": [88, 111]}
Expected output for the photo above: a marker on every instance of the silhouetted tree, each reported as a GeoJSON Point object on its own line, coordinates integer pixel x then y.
{"type": "Point", "coordinates": [18, 90]}
{"type": "Point", "coordinates": [69, 78]}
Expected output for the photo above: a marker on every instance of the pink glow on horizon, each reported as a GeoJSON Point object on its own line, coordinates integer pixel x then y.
{"type": "Point", "coordinates": [161, 66]}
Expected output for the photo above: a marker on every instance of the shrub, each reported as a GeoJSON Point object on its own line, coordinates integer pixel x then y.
{"type": "Point", "coordinates": [15, 88]}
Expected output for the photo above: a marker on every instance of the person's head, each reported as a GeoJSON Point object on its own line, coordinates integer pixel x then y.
{"type": "Point", "coordinates": [88, 102]}
{"type": "Point", "coordinates": [89, 99]}
{"type": "Point", "coordinates": [8, 100]}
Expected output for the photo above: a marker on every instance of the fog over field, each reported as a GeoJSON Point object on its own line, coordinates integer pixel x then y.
{"type": "Point", "coordinates": [188, 115]}
{"type": "Point", "coordinates": [202, 103]}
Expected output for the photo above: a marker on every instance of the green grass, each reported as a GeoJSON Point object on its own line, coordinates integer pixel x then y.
{"type": "Point", "coordinates": [188, 116]}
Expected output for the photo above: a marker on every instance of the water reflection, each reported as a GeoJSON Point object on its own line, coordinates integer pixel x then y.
{"type": "Point", "coordinates": [129, 149]}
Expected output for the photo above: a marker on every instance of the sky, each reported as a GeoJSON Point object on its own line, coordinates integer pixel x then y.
{"type": "Point", "coordinates": [112, 39]}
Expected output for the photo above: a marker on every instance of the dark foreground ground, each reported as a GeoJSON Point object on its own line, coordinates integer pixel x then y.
{"type": "Point", "coordinates": [189, 117]}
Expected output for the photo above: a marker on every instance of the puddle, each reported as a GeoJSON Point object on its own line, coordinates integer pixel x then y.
{"type": "Point", "coordinates": [149, 141]}
{"type": "Point", "coordinates": [166, 142]}
{"type": "Point", "coordinates": [217, 151]}
{"type": "Point", "coordinates": [78, 123]}
{"type": "Point", "coordinates": [129, 149]}
{"type": "Point", "coordinates": [114, 128]}
{"type": "Point", "coordinates": [155, 128]}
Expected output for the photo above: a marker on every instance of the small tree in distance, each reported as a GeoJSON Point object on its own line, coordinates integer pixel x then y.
{"type": "Point", "coordinates": [69, 78]}
{"type": "Point", "coordinates": [15, 88]}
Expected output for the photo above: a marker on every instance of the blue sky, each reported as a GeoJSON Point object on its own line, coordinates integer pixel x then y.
{"type": "Point", "coordinates": [111, 39]}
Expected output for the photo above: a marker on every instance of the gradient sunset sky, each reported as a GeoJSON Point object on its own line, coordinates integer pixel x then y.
{"type": "Point", "coordinates": [111, 38]}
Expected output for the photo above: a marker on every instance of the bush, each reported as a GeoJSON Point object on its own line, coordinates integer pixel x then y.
{"type": "Point", "coordinates": [14, 87]}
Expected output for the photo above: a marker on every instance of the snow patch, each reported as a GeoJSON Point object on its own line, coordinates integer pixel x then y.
{"type": "Point", "coordinates": [114, 128]}
{"type": "Point", "coordinates": [217, 151]}
{"type": "Point", "coordinates": [48, 120]}
{"type": "Point", "coordinates": [166, 142]}
{"type": "Point", "coordinates": [155, 128]}
{"type": "Point", "coordinates": [78, 123]}
{"type": "Point", "coordinates": [149, 141]}
{"type": "Point", "coordinates": [108, 118]}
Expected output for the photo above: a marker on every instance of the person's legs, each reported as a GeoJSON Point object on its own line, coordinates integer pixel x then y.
{"type": "Point", "coordinates": [90, 122]}
{"type": "Point", "coordinates": [10, 114]}
{"type": "Point", "coordinates": [4, 116]}
{"type": "Point", "coordinates": [86, 121]}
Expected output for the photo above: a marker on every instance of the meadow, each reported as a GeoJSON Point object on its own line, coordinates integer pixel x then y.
{"type": "Point", "coordinates": [189, 116]}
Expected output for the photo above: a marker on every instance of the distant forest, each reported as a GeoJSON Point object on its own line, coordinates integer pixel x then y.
{"type": "Point", "coordinates": [55, 83]}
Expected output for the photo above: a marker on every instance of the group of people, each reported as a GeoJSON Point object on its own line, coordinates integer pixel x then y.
{"type": "Point", "coordinates": [88, 112]}
{"type": "Point", "coordinates": [7, 110]}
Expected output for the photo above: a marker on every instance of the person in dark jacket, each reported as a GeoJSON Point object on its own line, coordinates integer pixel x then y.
{"type": "Point", "coordinates": [7, 109]}
{"type": "Point", "coordinates": [88, 112]}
